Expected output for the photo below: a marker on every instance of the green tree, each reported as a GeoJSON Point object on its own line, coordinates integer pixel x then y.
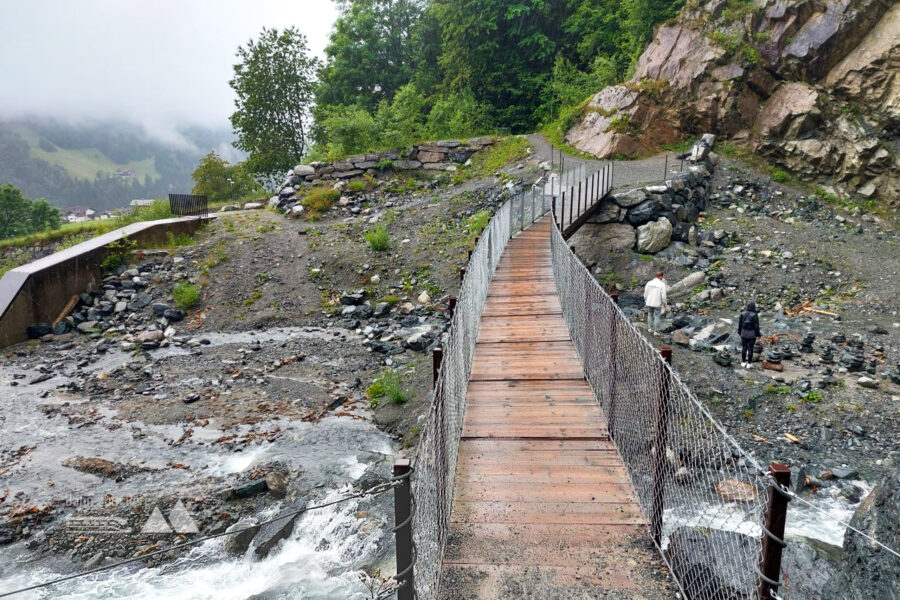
{"type": "Point", "coordinates": [15, 212]}
{"type": "Point", "coordinates": [44, 217]}
{"type": "Point", "coordinates": [402, 122]}
{"type": "Point", "coordinates": [21, 216]}
{"type": "Point", "coordinates": [274, 80]}
{"type": "Point", "coordinates": [502, 52]}
{"type": "Point", "coordinates": [345, 130]}
{"type": "Point", "coordinates": [371, 53]}
{"type": "Point", "coordinates": [219, 181]}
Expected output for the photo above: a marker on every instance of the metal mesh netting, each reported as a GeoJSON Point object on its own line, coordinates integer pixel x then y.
{"type": "Point", "coordinates": [434, 466]}
{"type": "Point", "coordinates": [703, 490]}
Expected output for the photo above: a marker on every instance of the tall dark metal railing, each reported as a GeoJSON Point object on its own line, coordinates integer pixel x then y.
{"type": "Point", "coordinates": [188, 205]}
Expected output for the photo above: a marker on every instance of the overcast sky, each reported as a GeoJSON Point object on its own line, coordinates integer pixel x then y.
{"type": "Point", "coordinates": [157, 62]}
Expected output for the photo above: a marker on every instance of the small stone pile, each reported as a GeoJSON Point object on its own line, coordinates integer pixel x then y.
{"type": "Point", "coordinates": [391, 328]}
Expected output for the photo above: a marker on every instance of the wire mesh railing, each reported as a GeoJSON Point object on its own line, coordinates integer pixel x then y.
{"type": "Point", "coordinates": [688, 474]}
{"type": "Point", "coordinates": [434, 465]}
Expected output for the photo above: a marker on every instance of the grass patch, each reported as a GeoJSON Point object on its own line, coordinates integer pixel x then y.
{"type": "Point", "coordinates": [780, 175]}
{"type": "Point", "coordinates": [490, 160]}
{"type": "Point", "coordinates": [388, 386]}
{"type": "Point", "coordinates": [378, 239]}
{"type": "Point", "coordinates": [252, 298]}
{"type": "Point", "coordinates": [357, 186]}
{"type": "Point", "coordinates": [390, 299]}
{"type": "Point", "coordinates": [89, 229]}
{"type": "Point", "coordinates": [319, 201]}
{"type": "Point", "coordinates": [777, 390]}
{"type": "Point", "coordinates": [187, 295]}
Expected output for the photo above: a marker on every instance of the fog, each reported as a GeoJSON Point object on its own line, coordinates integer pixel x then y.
{"type": "Point", "coordinates": [160, 64]}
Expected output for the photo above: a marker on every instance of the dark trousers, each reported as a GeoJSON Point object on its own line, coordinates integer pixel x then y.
{"type": "Point", "coordinates": [747, 349]}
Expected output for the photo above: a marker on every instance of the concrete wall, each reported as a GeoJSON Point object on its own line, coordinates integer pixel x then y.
{"type": "Point", "coordinates": [38, 291]}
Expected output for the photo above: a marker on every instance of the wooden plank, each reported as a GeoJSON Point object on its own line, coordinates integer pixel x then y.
{"type": "Point", "coordinates": [569, 513]}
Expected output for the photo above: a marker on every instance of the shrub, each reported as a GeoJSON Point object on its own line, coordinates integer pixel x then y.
{"type": "Point", "coordinates": [357, 186]}
{"type": "Point", "coordinates": [187, 295]}
{"type": "Point", "coordinates": [118, 254]}
{"type": "Point", "coordinates": [388, 386]}
{"type": "Point", "coordinates": [176, 241]}
{"type": "Point", "coordinates": [780, 175]}
{"type": "Point", "coordinates": [378, 239]}
{"type": "Point", "coordinates": [318, 201]}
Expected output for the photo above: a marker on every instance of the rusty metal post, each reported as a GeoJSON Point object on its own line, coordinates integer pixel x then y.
{"type": "Point", "coordinates": [613, 350]}
{"type": "Point", "coordinates": [553, 208]}
{"type": "Point", "coordinates": [437, 357]}
{"type": "Point", "coordinates": [773, 532]}
{"type": "Point", "coordinates": [403, 533]}
{"type": "Point", "coordinates": [451, 303]}
{"type": "Point", "coordinates": [658, 470]}
{"type": "Point", "coordinates": [462, 273]}
{"type": "Point", "coordinates": [666, 167]}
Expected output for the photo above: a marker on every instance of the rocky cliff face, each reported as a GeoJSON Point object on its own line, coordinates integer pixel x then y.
{"type": "Point", "coordinates": [811, 85]}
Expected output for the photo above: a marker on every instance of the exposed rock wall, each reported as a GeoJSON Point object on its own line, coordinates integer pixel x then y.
{"type": "Point", "coordinates": [813, 86]}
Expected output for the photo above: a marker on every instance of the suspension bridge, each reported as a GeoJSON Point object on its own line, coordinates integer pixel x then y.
{"type": "Point", "coordinates": [546, 467]}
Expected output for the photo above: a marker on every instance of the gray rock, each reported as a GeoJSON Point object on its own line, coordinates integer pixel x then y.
{"type": "Point", "coordinates": [87, 326]}
{"type": "Point", "coordinates": [36, 330]}
{"type": "Point", "coordinates": [407, 164]}
{"type": "Point", "coordinates": [175, 314]}
{"type": "Point", "coordinates": [304, 171]}
{"type": "Point", "coordinates": [159, 308]}
{"type": "Point", "coordinates": [248, 490]}
{"type": "Point", "coordinates": [707, 572]}
{"type": "Point", "coordinates": [277, 483]}
{"type": "Point", "coordinates": [867, 572]}
{"type": "Point", "coordinates": [280, 528]}
{"type": "Point", "coordinates": [382, 309]}
{"type": "Point", "coordinates": [649, 210]}
{"type": "Point", "coordinates": [353, 299]}
{"type": "Point", "coordinates": [243, 533]}
{"type": "Point", "coordinates": [654, 236]}
{"type": "Point", "coordinates": [629, 198]}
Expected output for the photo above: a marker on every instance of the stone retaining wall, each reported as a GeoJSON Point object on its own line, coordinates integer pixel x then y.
{"type": "Point", "coordinates": [443, 155]}
{"type": "Point", "coordinates": [38, 291]}
{"type": "Point", "coordinates": [653, 216]}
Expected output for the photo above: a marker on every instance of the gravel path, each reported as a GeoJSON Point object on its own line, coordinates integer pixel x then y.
{"type": "Point", "coordinates": [644, 171]}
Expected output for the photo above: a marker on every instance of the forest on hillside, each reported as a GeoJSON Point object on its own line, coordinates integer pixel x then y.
{"type": "Point", "coordinates": [401, 70]}
{"type": "Point", "coordinates": [100, 165]}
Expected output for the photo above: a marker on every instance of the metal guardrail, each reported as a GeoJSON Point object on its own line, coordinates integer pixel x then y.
{"type": "Point", "coordinates": [687, 472]}
{"type": "Point", "coordinates": [423, 516]}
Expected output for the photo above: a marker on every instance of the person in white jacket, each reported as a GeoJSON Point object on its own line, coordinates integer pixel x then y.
{"type": "Point", "coordinates": [655, 300]}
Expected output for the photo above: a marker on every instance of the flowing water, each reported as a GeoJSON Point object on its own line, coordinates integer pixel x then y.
{"type": "Point", "coordinates": [319, 561]}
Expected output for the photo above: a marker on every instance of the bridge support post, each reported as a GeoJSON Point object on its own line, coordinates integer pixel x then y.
{"type": "Point", "coordinates": [773, 533]}
{"type": "Point", "coordinates": [437, 357]}
{"type": "Point", "coordinates": [403, 534]}
{"type": "Point", "coordinates": [562, 218]}
{"type": "Point", "coordinates": [451, 307]}
{"type": "Point", "coordinates": [613, 375]}
{"type": "Point", "coordinates": [658, 470]}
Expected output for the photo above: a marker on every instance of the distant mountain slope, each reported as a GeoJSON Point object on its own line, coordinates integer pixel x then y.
{"type": "Point", "coordinates": [102, 165]}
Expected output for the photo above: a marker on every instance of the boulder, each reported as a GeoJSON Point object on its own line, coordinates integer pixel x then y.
{"type": "Point", "coordinates": [705, 570]}
{"type": "Point", "coordinates": [809, 565]}
{"type": "Point", "coordinates": [36, 330]}
{"type": "Point", "coordinates": [868, 572]}
{"type": "Point", "coordinates": [654, 236]}
{"type": "Point", "coordinates": [281, 526]}
{"type": "Point", "coordinates": [430, 157]}
{"type": "Point", "coordinates": [243, 533]}
{"type": "Point", "coordinates": [252, 205]}
{"type": "Point", "coordinates": [304, 171]}
{"type": "Point", "coordinates": [793, 106]}
{"type": "Point", "coordinates": [646, 211]}
{"type": "Point", "coordinates": [629, 198]}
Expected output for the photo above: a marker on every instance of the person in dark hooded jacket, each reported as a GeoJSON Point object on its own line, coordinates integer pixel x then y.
{"type": "Point", "coordinates": [748, 330]}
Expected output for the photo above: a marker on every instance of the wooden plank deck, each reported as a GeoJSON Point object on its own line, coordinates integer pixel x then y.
{"type": "Point", "coordinates": [543, 507]}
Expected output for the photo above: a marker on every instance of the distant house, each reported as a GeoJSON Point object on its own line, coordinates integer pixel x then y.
{"type": "Point", "coordinates": [80, 214]}
{"type": "Point", "coordinates": [140, 203]}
